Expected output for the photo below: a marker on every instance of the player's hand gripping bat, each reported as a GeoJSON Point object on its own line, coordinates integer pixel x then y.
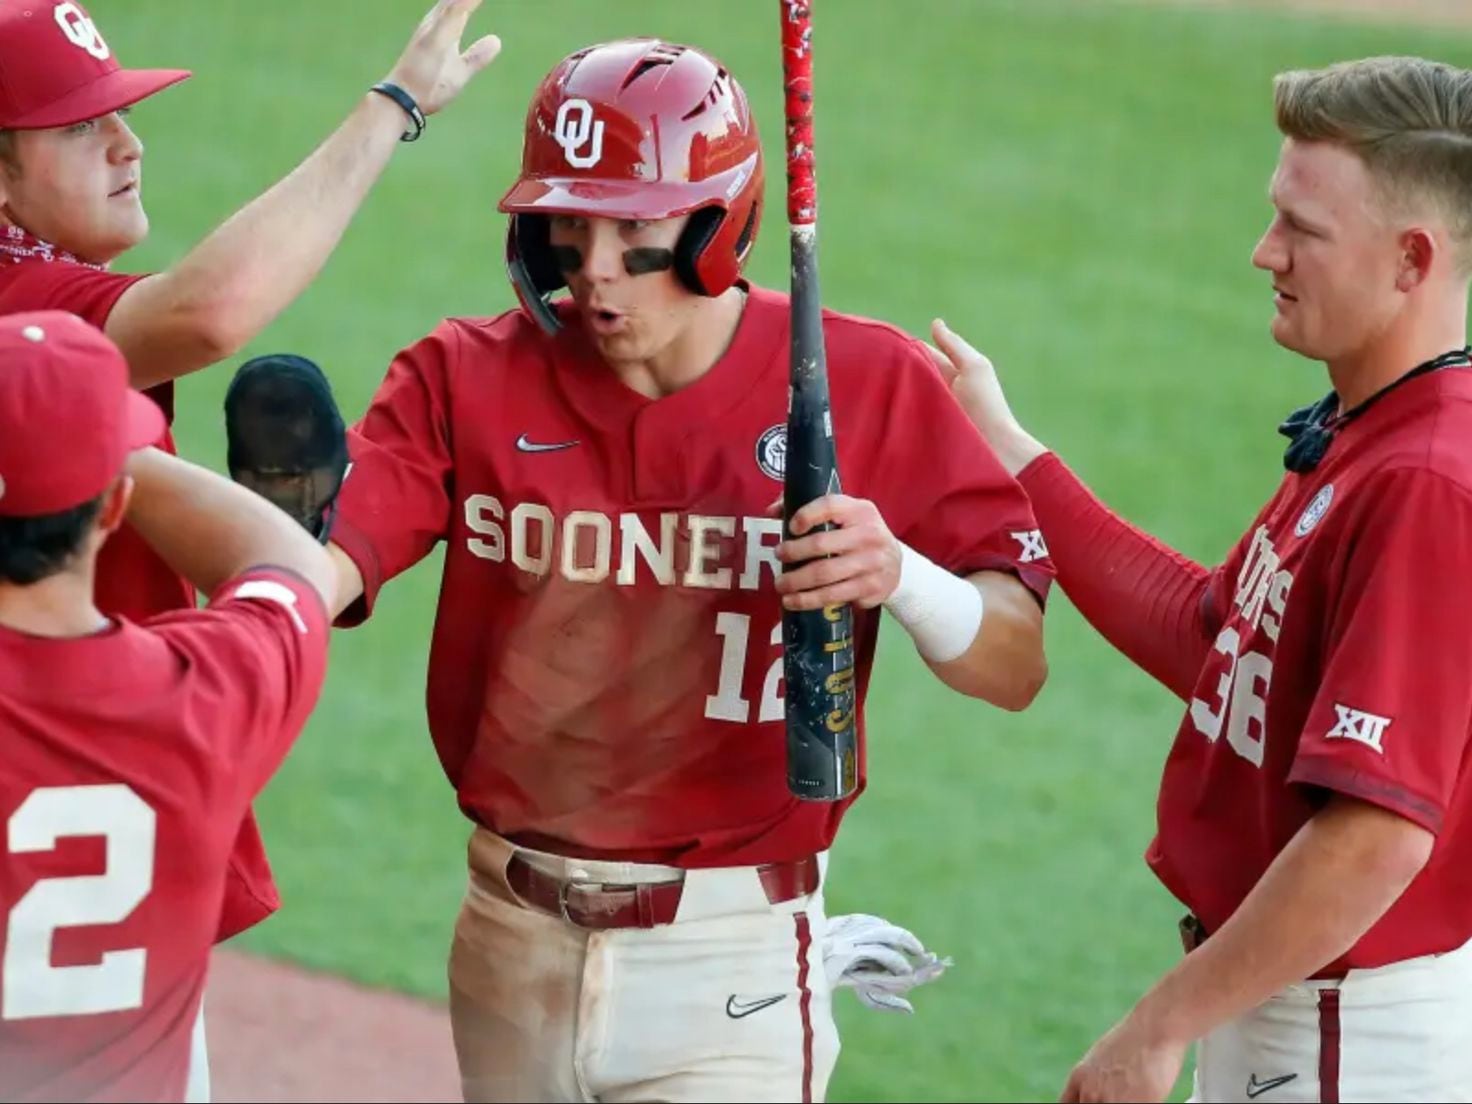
{"type": "Point", "coordinates": [818, 645]}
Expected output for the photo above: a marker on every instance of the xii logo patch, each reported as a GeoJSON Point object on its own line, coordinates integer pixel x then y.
{"type": "Point", "coordinates": [1033, 547]}
{"type": "Point", "coordinates": [1365, 728]}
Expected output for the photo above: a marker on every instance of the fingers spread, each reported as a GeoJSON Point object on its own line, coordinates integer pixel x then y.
{"type": "Point", "coordinates": [482, 52]}
{"type": "Point", "coordinates": [450, 16]}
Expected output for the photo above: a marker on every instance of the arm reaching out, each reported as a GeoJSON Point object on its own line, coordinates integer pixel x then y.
{"type": "Point", "coordinates": [1143, 597]}
{"type": "Point", "coordinates": [229, 287]}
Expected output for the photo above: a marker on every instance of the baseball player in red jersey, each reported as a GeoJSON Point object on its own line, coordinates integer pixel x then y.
{"type": "Point", "coordinates": [644, 913]}
{"type": "Point", "coordinates": [71, 204]}
{"type": "Point", "coordinates": [1315, 813]}
{"type": "Point", "coordinates": [131, 751]}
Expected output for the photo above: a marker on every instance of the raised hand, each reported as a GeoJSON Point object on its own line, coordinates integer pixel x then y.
{"type": "Point", "coordinates": [433, 68]}
{"type": "Point", "coordinates": [974, 382]}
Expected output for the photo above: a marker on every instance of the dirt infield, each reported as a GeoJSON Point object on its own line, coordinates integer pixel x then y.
{"type": "Point", "coordinates": [279, 1033]}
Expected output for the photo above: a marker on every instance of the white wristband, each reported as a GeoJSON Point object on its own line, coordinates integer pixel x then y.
{"type": "Point", "coordinates": [940, 610]}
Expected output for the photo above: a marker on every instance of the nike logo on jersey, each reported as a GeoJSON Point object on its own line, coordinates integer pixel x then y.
{"type": "Point", "coordinates": [1256, 1088]}
{"type": "Point", "coordinates": [525, 444]}
{"type": "Point", "coordinates": [736, 1009]}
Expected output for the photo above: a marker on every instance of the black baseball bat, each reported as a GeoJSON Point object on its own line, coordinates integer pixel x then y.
{"type": "Point", "coordinates": [818, 645]}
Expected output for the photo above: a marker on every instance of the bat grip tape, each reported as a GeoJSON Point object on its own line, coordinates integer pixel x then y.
{"type": "Point", "coordinates": [942, 612]}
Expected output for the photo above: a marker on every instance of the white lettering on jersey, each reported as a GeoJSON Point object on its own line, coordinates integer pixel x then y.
{"type": "Point", "coordinates": [581, 547]}
{"type": "Point", "coordinates": [81, 31]}
{"type": "Point", "coordinates": [481, 514]}
{"type": "Point", "coordinates": [704, 550]}
{"type": "Point", "coordinates": [602, 533]}
{"type": "Point", "coordinates": [537, 561]}
{"type": "Point", "coordinates": [1033, 548]}
{"type": "Point", "coordinates": [1262, 589]}
{"type": "Point", "coordinates": [1356, 724]}
{"type": "Point", "coordinates": [634, 539]}
{"type": "Point", "coordinates": [1240, 709]}
{"type": "Point", "coordinates": [759, 552]}
{"type": "Point", "coordinates": [267, 590]}
{"type": "Point", "coordinates": [30, 985]}
{"type": "Point", "coordinates": [576, 127]}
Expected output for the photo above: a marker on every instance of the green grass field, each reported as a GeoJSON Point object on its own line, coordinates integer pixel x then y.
{"type": "Point", "coordinates": [1076, 186]}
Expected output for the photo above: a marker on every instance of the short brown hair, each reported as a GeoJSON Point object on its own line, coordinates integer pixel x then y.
{"type": "Point", "coordinates": [8, 156]}
{"type": "Point", "coordinates": [1408, 119]}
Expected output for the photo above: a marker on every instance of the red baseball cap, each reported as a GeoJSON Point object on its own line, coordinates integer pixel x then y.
{"type": "Point", "coordinates": [56, 69]}
{"type": "Point", "coordinates": [68, 418]}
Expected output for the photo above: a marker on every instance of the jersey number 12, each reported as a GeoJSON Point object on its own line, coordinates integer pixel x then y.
{"type": "Point", "coordinates": [727, 704]}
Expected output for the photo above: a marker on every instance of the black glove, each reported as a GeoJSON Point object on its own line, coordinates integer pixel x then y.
{"type": "Point", "coordinates": [285, 438]}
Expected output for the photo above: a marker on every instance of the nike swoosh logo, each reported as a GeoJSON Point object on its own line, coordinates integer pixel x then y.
{"type": "Point", "coordinates": [1256, 1088]}
{"type": "Point", "coordinates": [737, 1009]}
{"type": "Point", "coordinates": [523, 444]}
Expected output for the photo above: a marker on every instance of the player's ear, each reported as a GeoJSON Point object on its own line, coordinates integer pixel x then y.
{"type": "Point", "coordinates": [1419, 250]}
{"type": "Point", "coordinates": [115, 504]}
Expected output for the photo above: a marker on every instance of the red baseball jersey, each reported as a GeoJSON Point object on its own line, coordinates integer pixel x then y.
{"type": "Point", "coordinates": [132, 581]}
{"type": "Point", "coordinates": [130, 758]}
{"type": "Point", "coordinates": [1343, 646]}
{"type": "Point", "coordinates": [606, 672]}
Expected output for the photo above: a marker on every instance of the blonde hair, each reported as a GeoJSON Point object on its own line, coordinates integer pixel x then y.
{"type": "Point", "coordinates": [1408, 119]}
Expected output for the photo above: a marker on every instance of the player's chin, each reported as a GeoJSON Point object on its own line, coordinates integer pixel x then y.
{"type": "Point", "coordinates": [620, 347]}
{"type": "Point", "coordinates": [126, 228]}
{"type": "Point", "coordinates": [1291, 337]}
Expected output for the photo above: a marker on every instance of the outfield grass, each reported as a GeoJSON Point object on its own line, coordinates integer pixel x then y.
{"type": "Point", "coordinates": [1076, 186]}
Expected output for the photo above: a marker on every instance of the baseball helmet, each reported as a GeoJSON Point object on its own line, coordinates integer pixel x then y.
{"type": "Point", "coordinates": [637, 129]}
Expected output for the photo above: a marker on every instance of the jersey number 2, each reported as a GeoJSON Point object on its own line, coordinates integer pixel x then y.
{"type": "Point", "coordinates": [32, 987]}
{"type": "Point", "coordinates": [727, 704]}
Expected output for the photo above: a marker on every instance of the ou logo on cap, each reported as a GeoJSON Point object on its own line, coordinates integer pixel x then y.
{"type": "Point", "coordinates": [576, 127]}
{"type": "Point", "coordinates": [81, 31]}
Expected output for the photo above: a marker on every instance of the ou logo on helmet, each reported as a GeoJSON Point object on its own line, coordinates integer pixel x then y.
{"type": "Point", "coordinates": [81, 31]}
{"type": "Point", "coordinates": [575, 128]}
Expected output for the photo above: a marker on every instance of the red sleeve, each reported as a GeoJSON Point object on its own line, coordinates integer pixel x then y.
{"type": "Point", "coordinates": [395, 502]}
{"type": "Point", "coordinates": [258, 654]}
{"type": "Point", "coordinates": [1143, 597]}
{"type": "Point", "coordinates": [87, 292]}
{"type": "Point", "coordinates": [942, 490]}
{"type": "Point", "coordinates": [1390, 720]}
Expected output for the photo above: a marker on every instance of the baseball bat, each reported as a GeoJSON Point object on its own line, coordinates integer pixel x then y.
{"type": "Point", "coordinates": [818, 645]}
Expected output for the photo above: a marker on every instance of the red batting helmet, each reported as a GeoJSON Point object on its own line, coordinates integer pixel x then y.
{"type": "Point", "coordinates": [637, 129]}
